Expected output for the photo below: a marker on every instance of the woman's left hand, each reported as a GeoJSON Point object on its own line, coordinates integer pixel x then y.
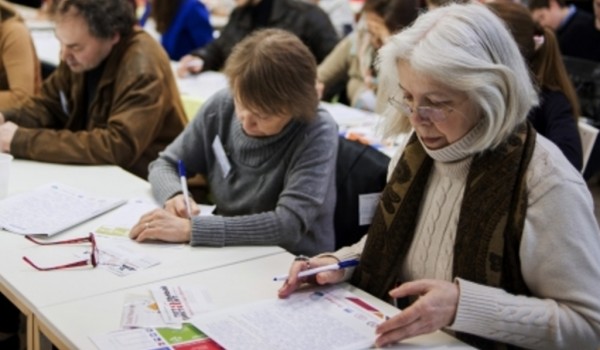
{"type": "Point", "coordinates": [161, 225]}
{"type": "Point", "coordinates": [435, 308]}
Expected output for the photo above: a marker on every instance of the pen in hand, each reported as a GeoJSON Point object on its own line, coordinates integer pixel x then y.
{"type": "Point", "coordinates": [184, 188]}
{"type": "Point", "coordinates": [337, 266]}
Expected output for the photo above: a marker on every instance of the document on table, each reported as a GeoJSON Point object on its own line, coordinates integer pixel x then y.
{"type": "Point", "coordinates": [186, 338]}
{"type": "Point", "coordinates": [52, 208]}
{"type": "Point", "coordinates": [331, 318]}
{"type": "Point", "coordinates": [119, 222]}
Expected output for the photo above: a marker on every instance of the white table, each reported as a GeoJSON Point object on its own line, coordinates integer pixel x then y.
{"type": "Point", "coordinates": [30, 289]}
{"type": "Point", "coordinates": [69, 325]}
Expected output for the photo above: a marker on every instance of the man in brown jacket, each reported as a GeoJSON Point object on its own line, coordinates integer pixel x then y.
{"type": "Point", "coordinates": [112, 100]}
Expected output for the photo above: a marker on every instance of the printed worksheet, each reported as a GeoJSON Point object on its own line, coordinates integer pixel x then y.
{"type": "Point", "coordinates": [180, 303]}
{"type": "Point", "coordinates": [331, 318]}
{"type": "Point", "coordinates": [186, 338]}
{"type": "Point", "coordinates": [120, 221]}
{"type": "Point", "coordinates": [51, 209]}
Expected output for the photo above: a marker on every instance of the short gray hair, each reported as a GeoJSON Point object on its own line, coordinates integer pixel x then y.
{"type": "Point", "coordinates": [468, 48]}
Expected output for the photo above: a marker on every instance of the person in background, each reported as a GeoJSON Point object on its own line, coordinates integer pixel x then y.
{"type": "Point", "coordinates": [433, 4]}
{"type": "Point", "coordinates": [268, 153]}
{"type": "Point", "coordinates": [484, 230]}
{"type": "Point", "coordinates": [30, 3]}
{"type": "Point", "coordinates": [305, 20]}
{"type": "Point", "coordinates": [183, 24]}
{"type": "Point", "coordinates": [574, 28]}
{"type": "Point", "coordinates": [20, 74]}
{"type": "Point", "coordinates": [597, 14]}
{"type": "Point", "coordinates": [340, 13]}
{"type": "Point", "coordinates": [353, 59]}
{"type": "Point", "coordinates": [556, 116]}
{"type": "Point", "coordinates": [112, 100]}
{"type": "Point", "coordinates": [20, 77]}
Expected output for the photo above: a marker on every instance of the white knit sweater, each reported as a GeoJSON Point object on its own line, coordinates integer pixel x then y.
{"type": "Point", "coordinates": [559, 252]}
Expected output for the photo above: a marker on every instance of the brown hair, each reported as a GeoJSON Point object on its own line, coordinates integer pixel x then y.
{"type": "Point", "coordinates": [273, 72]}
{"type": "Point", "coordinates": [163, 12]}
{"type": "Point", "coordinates": [396, 14]}
{"type": "Point", "coordinates": [540, 4]}
{"type": "Point", "coordinates": [440, 3]}
{"type": "Point", "coordinates": [545, 62]}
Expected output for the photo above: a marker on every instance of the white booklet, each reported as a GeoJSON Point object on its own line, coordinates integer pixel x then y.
{"type": "Point", "coordinates": [329, 318]}
{"type": "Point", "coordinates": [51, 208]}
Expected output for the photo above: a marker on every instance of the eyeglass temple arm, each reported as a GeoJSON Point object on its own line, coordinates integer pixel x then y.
{"type": "Point", "coordinates": [67, 241]}
{"type": "Point", "coordinates": [73, 264]}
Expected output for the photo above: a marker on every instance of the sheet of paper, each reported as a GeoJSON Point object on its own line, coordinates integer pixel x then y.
{"type": "Point", "coordinates": [141, 311]}
{"type": "Point", "coordinates": [330, 318]}
{"type": "Point", "coordinates": [186, 338]}
{"type": "Point", "coordinates": [119, 222]}
{"type": "Point", "coordinates": [122, 260]}
{"type": "Point", "coordinates": [180, 303]}
{"type": "Point", "coordinates": [202, 86]}
{"type": "Point", "coordinates": [51, 208]}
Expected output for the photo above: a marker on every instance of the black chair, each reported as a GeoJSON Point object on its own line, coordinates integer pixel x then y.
{"type": "Point", "coordinates": [585, 76]}
{"type": "Point", "coordinates": [360, 169]}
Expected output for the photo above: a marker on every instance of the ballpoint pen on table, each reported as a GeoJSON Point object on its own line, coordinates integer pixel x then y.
{"type": "Point", "coordinates": [337, 266]}
{"type": "Point", "coordinates": [184, 188]}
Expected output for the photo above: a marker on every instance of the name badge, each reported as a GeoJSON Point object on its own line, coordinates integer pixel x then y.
{"type": "Point", "coordinates": [222, 159]}
{"type": "Point", "coordinates": [367, 203]}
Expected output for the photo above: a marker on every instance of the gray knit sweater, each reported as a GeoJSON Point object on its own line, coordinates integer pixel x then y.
{"type": "Point", "coordinates": [280, 190]}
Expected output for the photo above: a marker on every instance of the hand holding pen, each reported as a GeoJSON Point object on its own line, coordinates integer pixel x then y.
{"type": "Point", "coordinates": [327, 268]}
{"type": "Point", "coordinates": [182, 205]}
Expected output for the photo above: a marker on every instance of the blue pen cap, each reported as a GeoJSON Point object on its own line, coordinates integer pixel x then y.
{"type": "Point", "coordinates": [181, 168]}
{"type": "Point", "coordinates": [347, 263]}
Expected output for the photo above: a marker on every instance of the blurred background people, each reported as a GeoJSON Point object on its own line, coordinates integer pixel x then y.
{"type": "Point", "coordinates": [352, 63]}
{"type": "Point", "coordinates": [183, 24]}
{"type": "Point", "coordinates": [305, 20]}
{"type": "Point", "coordinates": [558, 112]}
{"type": "Point", "coordinates": [574, 28]}
{"type": "Point", "coordinates": [20, 74]}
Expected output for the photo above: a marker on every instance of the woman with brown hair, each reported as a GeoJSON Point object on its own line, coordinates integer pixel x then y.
{"type": "Point", "coordinates": [20, 74]}
{"type": "Point", "coordinates": [556, 116]}
{"type": "Point", "coordinates": [267, 151]}
{"type": "Point", "coordinates": [353, 59]}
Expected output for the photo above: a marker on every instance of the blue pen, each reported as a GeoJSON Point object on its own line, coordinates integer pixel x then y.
{"type": "Point", "coordinates": [184, 188]}
{"type": "Point", "coordinates": [338, 266]}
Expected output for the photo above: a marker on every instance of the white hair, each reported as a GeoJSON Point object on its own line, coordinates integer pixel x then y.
{"type": "Point", "coordinates": [468, 48]}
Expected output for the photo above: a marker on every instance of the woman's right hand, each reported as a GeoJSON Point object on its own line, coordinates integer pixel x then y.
{"type": "Point", "coordinates": [176, 205]}
{"type": "Point", "coordinates": [189, 64]}
{"type": "Point", "coordinates": [294, 282]}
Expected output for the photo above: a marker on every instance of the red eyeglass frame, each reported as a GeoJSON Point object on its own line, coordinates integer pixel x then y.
{"type": "Point", "coordinates": [93, 260]}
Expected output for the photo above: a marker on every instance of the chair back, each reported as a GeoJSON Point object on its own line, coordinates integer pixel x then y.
{"type": "Point", "coordinates": [361, 170]}
{"type": "Point", "coordinates": [588, 134]}
{"type": "Point", "coordinates": [585, 76]}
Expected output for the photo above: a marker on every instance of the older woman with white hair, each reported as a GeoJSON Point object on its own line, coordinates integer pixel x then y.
{"type": "Point", "coordinates": [484, 229]}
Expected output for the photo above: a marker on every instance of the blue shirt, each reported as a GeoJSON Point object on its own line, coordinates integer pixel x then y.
{"type": "Point", "coordinates": [189, 30]}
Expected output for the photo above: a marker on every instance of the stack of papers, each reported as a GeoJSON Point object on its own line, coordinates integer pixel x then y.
{"type": "Point", "coordinates": [52, 208]}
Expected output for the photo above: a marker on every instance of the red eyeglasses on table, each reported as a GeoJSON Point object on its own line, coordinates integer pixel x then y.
{"type": "Point", "coordinates": [93, 260]}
